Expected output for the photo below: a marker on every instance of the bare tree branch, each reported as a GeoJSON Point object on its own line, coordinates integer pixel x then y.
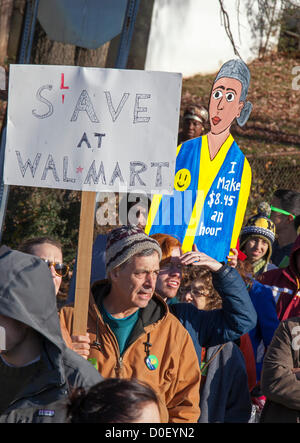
{"type": "Point", "coordinates": [227, 27]}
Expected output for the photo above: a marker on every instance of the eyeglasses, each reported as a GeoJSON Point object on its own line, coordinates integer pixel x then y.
{"type": "Point", "coordinates": [61, 269]}
{"type": "Point", "coordinates": [195, 292]}
{"type": "Point", "coordinates": [281, 211]}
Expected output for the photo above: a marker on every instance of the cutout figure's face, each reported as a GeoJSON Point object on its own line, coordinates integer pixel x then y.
{"type": "Point", "coordinates": [182, 180]}
{"type": "Point", "coordinates": [224, 105]}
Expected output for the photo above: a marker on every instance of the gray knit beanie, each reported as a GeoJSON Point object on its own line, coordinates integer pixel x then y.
{"type": "Point", "coordinates": [125, 242]}
{"type": "Point", "coordinates": [238, 70]}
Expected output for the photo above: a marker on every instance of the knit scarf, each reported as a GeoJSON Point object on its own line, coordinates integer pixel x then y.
{"type": "Point", "coordinates": [259, 265]}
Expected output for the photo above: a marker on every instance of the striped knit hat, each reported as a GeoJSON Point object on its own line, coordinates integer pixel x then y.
{"type": "Point", "coordinates": [125, 242]}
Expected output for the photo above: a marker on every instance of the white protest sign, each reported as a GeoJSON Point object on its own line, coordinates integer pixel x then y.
{"type": "Point", "coordinates": [92, 129]}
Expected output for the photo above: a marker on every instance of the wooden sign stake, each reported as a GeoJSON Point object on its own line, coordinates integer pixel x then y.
{"type": "Point", "coordinates": [84, 260]}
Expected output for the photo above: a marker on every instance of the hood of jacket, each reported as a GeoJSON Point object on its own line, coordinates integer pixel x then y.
{"type": "Point", "coordinates": [27, 294]}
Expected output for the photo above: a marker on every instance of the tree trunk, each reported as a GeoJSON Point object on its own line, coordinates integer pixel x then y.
{"type": "Point", "coordinates": [6, 9]}
{"type": "Point", "coordinates": [50, 52]}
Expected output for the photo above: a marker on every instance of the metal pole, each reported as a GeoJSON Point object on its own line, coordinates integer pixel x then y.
{"type": "Point", "coordinates": [125, 43]}
{"type": "Point", "coordinates": [127, 32]}
{"type": "Point", "coordinates": [33, 23]}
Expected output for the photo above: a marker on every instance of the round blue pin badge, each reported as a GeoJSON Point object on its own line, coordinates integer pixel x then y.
{"type": "Point", "coordinates": [151, 362]}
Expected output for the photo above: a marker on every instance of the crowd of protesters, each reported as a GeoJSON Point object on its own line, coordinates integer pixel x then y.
{"type": "Point", "coordinates": [172, 336]}
{"type": "Point", "coordinates": [178, 337]}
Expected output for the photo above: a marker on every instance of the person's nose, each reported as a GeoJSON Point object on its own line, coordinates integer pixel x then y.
{"type": "Point", "coordinates": [53, 273]}
{"type": "Point", "coordinates": [260, 244]}
{"type": "Point", "coordinates": [150, 280]}
{"type": "Point", "coordinates": [188, 297]}
{"type": "Point", "coordinates": [220, 105]}
{"type": "Point", "coordinates": [175, 271]}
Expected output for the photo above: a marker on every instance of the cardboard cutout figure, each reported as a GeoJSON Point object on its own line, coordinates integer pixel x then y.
{"type": "Point", "coordinates": [212, 175]}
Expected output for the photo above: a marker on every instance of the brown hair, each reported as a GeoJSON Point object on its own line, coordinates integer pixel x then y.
{"type": "Point", "coordinates": [193, 274]}
{"type": "Point", "coordinates": [113, 400]}
{"type": "Point", "coordinates": [28, 245]}
{"type": "Point", "coordinates": [245, 270]}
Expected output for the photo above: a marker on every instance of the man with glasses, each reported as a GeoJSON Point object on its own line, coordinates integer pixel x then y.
{"type": "Point", "coordinates": [285, 206]}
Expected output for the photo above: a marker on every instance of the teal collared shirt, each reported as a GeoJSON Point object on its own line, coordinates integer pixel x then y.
{"type": "Point", "coordinates": [121, 327]}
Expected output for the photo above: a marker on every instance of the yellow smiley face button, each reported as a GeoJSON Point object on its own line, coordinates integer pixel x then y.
{"type": "Point", "coordinates": [182, 180]}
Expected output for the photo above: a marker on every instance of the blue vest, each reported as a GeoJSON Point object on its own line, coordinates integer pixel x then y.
{"type": "Point", "coordinates": [197, 215]}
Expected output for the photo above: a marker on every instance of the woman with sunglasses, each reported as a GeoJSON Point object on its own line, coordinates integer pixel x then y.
{"type": "Point", "coordinates": [49, 250]}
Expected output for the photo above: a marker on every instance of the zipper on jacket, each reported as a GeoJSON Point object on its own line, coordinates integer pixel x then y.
{"type": "Point", "coordinates": [119, 360]}
{"type": "Point", "coordinates": [64, 391]}
{"type": "Point", "coordinates": [119, 366]}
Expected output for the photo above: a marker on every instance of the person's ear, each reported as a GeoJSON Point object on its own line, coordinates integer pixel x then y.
{"type": "Point", "coordinates": [290, 218]}
{"type": "Point", "coordinates": [240, 108]}
{"type": "Point", "coordinates": [114, 274]}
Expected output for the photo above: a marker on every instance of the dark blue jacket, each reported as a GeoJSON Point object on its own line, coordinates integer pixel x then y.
{"type": "Point", "coordinates": [267, 322]}
{"type": "Point", "coordinates": [236, 318]}
{"type": "Point", "coordinates": [225, 397]}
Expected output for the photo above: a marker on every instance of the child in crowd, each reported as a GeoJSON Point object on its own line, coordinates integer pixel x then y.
{"type": "Point", "coordinates": [257, 238]}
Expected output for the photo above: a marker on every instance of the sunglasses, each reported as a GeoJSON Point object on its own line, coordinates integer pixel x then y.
{"type": "Point", "coordinates": [281, 211]}
{"type": "Point", "coordinates": [167, 266]}
{"type": "Point", "coordinates": [61, 269]}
